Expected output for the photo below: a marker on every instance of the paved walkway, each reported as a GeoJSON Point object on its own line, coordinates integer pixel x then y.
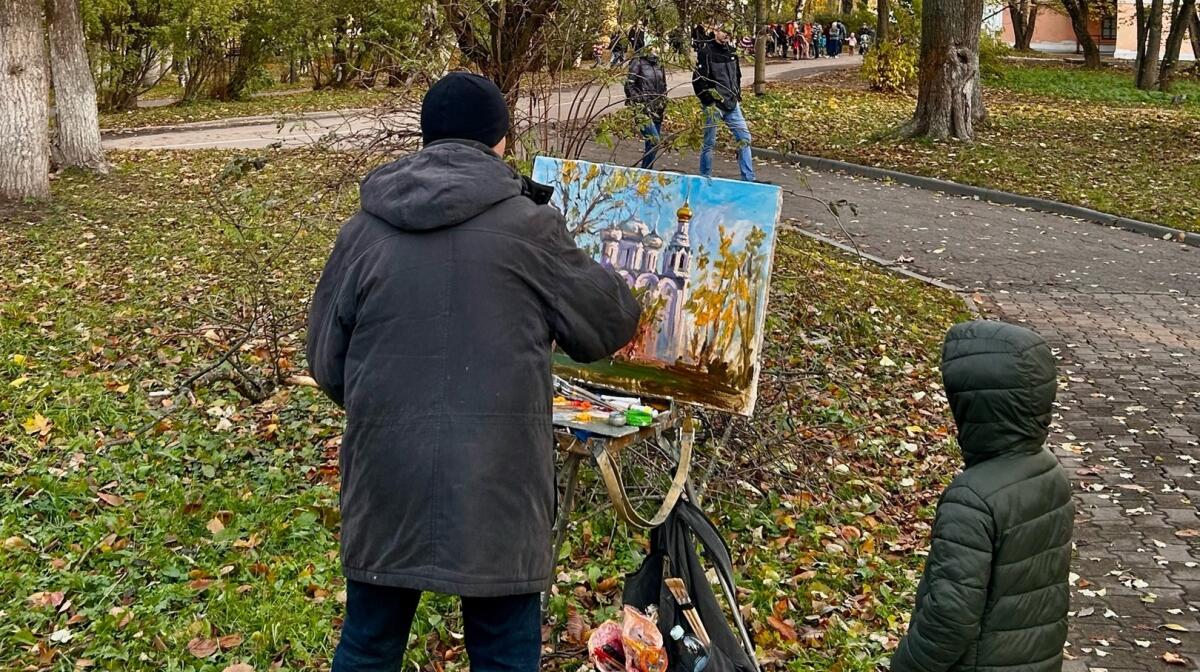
{"type": "Point", "coordinates": [1123, 312]}
{"type": "Point", "coordinates": [258, 132]}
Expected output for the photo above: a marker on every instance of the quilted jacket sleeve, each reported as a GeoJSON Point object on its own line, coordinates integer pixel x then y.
{"type": "Point", "coordinates": [954, 589]}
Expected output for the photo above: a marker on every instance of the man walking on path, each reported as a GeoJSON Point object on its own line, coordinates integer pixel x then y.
{"type": "Point", "coordinates": [646, 91]}
{"type": "Point", "coordinates": [717, 82]}
{"type": "Point", "coordinates": [433, 325]}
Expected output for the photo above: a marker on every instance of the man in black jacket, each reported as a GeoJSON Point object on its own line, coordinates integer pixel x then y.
{"type": "Point", "coordinates": [646, 91]}
{"type": "Point", "coordinates": [433, 325]}
{"type": "Point", "coordinates": [717, 82]}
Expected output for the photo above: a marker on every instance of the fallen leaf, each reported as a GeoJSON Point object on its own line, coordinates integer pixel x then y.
{"type": "Point", "coordinates": [1187, 534]}
{"type": "Point", "coordinates": [61, 636]}
{"type": "Point", "coordinates": [110, 499]}
{"type": "Point", "coordinates": [37, 424]}
{"type": "Point", "coordinates": [1085, 612]}
{"type": "Point", "coordinates": [202, 648]}
{"type": "Point", "coordinates": [239, 667]}
{"type": "Point", "coordinates": [215, 526]}
{"type": "Point", "coordinates": [1176, 627]}
{"type": "Point", "coordinates": [787, 632]}
{"type": "Point", "coordinates": [1174, 659]}
{"type": "Point", "coordinates": [230, 641]}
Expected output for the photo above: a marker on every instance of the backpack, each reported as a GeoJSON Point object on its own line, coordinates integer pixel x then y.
{"type": "Point", "coordinates": [673, 555]}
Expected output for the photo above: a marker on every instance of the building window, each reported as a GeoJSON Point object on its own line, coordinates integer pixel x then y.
{"type": "Point", "coordinates": [1108, 28]}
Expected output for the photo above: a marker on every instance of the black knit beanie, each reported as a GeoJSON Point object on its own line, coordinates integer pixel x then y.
{"type": "Point", "coordinates": [464, 106]}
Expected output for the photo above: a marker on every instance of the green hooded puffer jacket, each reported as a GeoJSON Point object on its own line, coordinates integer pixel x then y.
{"type": "Point", "coordinates": [995, 593]}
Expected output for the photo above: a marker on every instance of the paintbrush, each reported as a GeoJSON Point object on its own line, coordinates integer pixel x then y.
{"type": "Point", "coordinates": [680, 593]}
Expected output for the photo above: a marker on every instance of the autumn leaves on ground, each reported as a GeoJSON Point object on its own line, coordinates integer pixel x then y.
{"type": "Point", "coordinates": [148, 527]}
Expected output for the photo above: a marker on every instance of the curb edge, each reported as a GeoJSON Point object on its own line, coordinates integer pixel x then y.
{"type": "Point", "coordinates": [991, 195]}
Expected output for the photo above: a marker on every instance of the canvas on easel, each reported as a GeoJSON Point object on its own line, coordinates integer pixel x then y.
{"type": "Point", "coordinates": [697, 252]}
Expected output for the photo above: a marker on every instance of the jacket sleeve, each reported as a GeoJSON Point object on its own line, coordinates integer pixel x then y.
{"type": "Point", "coordinates": [631, 82]}
{"type": "Point", "coordinates": [954, 589]}
{"type": "Point", "coordinates": [592, 311]}
{"type": "Point", "coordinates": [330, 324]}
{"type": "Point", "coordinates": [702, 82]}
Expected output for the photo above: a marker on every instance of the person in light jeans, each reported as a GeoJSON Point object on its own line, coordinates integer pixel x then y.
{"type": "Point", "coordinates": [717, 82]}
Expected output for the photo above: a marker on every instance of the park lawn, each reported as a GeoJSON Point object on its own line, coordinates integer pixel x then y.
{"type": "Point", "coordinates": [299, 102]}
{"type": "Point", "coordinates": [1111, 85]}
{"type": "Point", "coordinates": [210, 538]}
{"type": "Point", "coordinates": [1058, 141]}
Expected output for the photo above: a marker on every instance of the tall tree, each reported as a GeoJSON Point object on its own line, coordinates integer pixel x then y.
{"type": "Point", "coordinates": [882, 22]}
{"type": "Point", "coordinates": [1194, 30]}
{"type": "Point", "coordinates": [77, 135]}
{"type": "Point", "coordinates": [760, 47]}
{"type": "Point", "coordinates": [950, 100]}
{"type": "Point", "coordinates": [24, 133]}
{"type": "Point", "coordinates": [1149, 43]}
{"type": "Point", "coordinates": [1080, 12]}
{"type": "Point", "coordinates": [1024, 15]}
{"type": "Point", "coordinates": [1181, 20]}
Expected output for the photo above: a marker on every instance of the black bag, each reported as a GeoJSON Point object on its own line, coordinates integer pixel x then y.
{"type": "Point", "coordinates": [673, 555]}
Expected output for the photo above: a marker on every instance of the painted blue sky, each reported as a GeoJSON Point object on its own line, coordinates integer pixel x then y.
{"type": "Point", "coordinates": [734, 204]}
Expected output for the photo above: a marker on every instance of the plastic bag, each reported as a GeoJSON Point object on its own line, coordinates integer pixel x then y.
{"type": "Point", "coordinates": [643, 642]}
{"type": "Point", "coordinates": [606, 648]}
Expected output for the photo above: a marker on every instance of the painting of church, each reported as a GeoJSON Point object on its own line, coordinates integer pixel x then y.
{"type": "Point", "coordinates": [647, 261]}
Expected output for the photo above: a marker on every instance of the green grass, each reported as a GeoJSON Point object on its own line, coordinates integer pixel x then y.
{"type": "Point", "coordinates": [126, 284]}
{"type": "Point", "coordinates": [1109, 86]}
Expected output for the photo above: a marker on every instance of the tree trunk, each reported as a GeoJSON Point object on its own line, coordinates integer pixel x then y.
{"type": "Point", "coordinates": [1024, 20]}
{"type": "Point", "coordinates": [77, 141]}
{"type": "Point", "coordinates": [760, 47]}
{"type": "Point", "coordinates": [24, 106]}
{"type": "Point", "coordinates": [1147, 74]}
{"type": "Point", "coordinates": [882, 24]}
{"type": "Point", "coordinates": [1194, 30]}
{"type": "Point", "coordinates": [1179, 27]}
{"type": "Point", "coordinates": [949, 102]}
{"type": "Point", "coordinates": [1081, 20]}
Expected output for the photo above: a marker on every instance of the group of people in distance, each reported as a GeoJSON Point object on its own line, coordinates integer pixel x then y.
{"type": "Point", "coordinates": [803, 40]}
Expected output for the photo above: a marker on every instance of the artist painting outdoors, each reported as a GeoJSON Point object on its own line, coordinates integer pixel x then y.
{"type": "Point", "coordinates": [447, 461]}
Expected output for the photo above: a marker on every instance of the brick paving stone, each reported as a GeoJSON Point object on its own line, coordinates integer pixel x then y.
{"type": "Point", "coordinates": [1122, 311]}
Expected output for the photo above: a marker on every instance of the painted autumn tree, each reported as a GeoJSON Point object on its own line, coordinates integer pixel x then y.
{"type": "Point", "coordinates": [950, 101]}
{"type": "Point", "coordinates": [603, 194]}
{"type": "Point", "coordinates": [722, 302]}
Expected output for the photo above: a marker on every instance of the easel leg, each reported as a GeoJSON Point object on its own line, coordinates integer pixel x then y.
{"type": "Point", "coordinates": [564, 512]}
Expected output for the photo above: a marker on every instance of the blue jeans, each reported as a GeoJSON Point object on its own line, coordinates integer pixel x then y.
{"type": "Point", "coordinates": [652, 132]}
{"type": "Point", "coordinates": [736, 122]}
{"type": "Point", "coordinates": [504, 634]}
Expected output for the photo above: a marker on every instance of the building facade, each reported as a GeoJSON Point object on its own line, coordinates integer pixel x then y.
{"type": "Point", "coordinates": [646, 260]}
{"type": "Point", "coordinates": [1115, 35]}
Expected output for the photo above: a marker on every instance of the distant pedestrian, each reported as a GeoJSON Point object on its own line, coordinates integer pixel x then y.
{"type": "Point", "coordinates": [834, 42]}
{"type": "Point", "coordinates": [617, 44]}
{"type": "Point", "coordinates": [637, 37]}
{"type": "Point", "coordinates": [717, 82]}
{"type": "Point", "coordinates": [646, 92]}
{"type": "Point", "coordinates": [851, 44]}
{"type": "Point", "coordinates": [995, 592]}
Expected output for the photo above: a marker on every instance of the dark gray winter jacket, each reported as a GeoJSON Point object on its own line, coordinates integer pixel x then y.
{"type": "Point", "coordinates": [995, 594]}
{"type": "Point", "coordinates": [646, 85]}
{"type": "Point", "coordinates": [432, 325]}
{"type": "Point", "coordinates": [717, 79]}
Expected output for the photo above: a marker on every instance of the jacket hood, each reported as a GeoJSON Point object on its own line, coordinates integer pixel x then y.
{"type": "Point", "coordinates": [1001, 382]}
{"type": "Point", "coordinates": [445, 184]}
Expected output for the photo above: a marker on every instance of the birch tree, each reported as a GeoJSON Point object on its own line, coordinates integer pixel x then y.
{"type": "Point", "coordinates": [24, 132]}
{"type": "Point", "coordinates": [77, 129]}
